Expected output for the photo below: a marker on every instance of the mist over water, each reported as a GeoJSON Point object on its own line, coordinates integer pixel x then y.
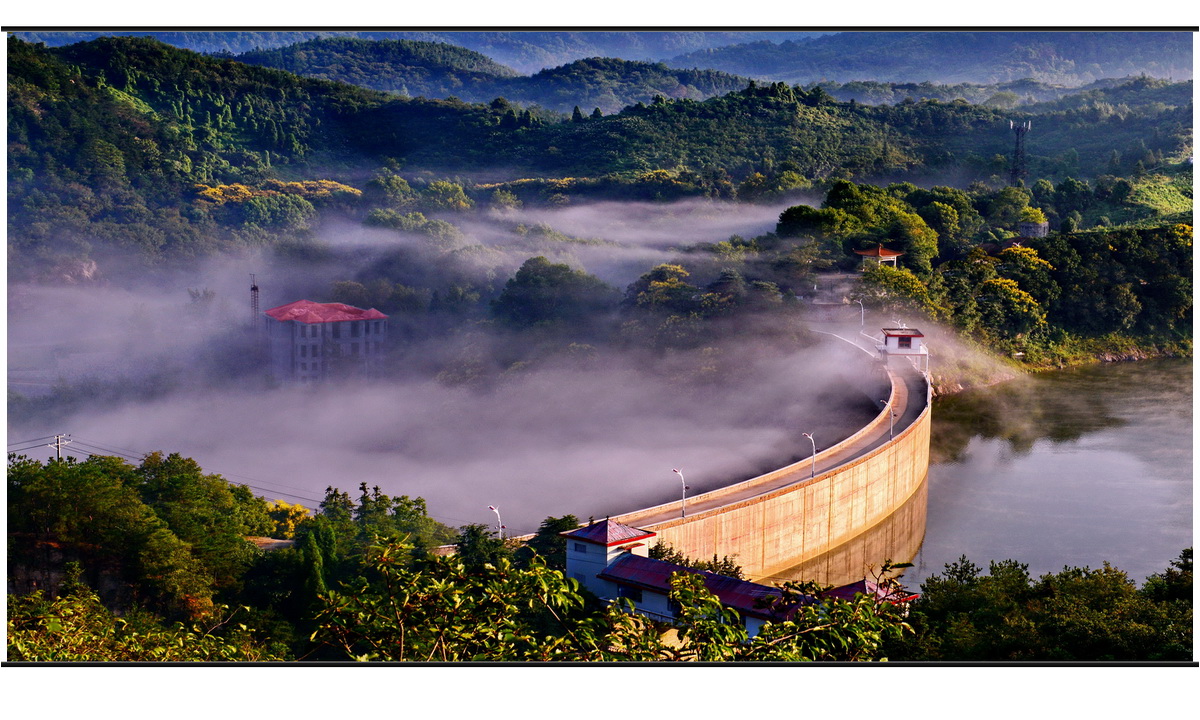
{"type": "Point", "coordinates": [590, 436]}
{"type": "Point", "coordinates": [1072, 468]}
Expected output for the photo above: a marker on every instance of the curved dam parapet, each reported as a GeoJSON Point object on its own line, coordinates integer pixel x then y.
{"type": "Point", "coordinates": [820, 515]}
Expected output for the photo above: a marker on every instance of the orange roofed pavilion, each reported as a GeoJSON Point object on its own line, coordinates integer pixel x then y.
{"type": "Point", "coordinates": [880, 254]}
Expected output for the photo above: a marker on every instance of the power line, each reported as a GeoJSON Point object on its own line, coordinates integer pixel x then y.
{"type": "Point", "coordinates": [93, 443]}
{"type": "Point", "coordinates": [39, 439]}
{"type": "Point", "coordinates": [133, 455]}
{"type": "Point", "coordinates": [86, 447]}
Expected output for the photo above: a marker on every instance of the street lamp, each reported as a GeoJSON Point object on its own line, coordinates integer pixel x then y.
{"type": "Point", "coordinates": [814, 454]}
{"type": "Point", "coordinates": [683, 497]}
{"type": "Point", "coordinates": [887, 405]}
{"type": "Point", "coordinates": [862, 315]}
{"type": "Point", "coordinates": [499, 524]}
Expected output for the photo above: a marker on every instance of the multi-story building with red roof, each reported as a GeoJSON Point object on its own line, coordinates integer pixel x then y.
{"type": "Point", "coordinates": [310, 341]}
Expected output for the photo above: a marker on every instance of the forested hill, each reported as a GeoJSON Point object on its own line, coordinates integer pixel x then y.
{"type": "Point", "coordinates": [1025, 94]}
{"type": "Point", "coordinates": [407, 67]}
{"type": "Point", "coordinates": [130, 143]}
{"type": "Point", "coordinates": [1069, 58]}
{"type": "Point", "coordinates": [526, 51]}
{"type": "Point", "coordinates": [438, 70]}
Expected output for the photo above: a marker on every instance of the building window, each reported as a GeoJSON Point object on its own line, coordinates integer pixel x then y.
{"type": "Point", "coordinates": [354, 329]}
{"type": "Point", "coordinates": [353, 348]}
{"type": "Point", "coordinates": [578, 577]}
{"type": "Point", "coordinates": [304, 366]}
{"type": "Point", "coordinates": [366, 328]}
{"type": "Point", "coordinates": [303, 351]}
{"type": "Point", "coordinates": [580, 548]}
{"type": "Point", "coordinates": [337, 331]}
{"type": "Point", "coordinates": [634, 594]}
{"type": "Point", "coordinates": [905, 342]}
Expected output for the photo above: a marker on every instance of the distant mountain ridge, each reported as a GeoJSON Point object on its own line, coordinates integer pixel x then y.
{"type": "Point", "coordinates": [1072, 58]}
{"type": "Point", "coordinates": [526, 51]}
{"type": "Point", "coordinates": [437, 70]}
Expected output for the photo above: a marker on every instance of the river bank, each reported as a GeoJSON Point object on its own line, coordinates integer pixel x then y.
{"type": "Point", "coordinates": [1075, 467]}
{"type": "Point", "coordinates": [962, 364]}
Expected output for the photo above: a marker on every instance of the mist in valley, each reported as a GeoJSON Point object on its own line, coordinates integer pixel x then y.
{"type": "Point", "coordinates": [165, 361]}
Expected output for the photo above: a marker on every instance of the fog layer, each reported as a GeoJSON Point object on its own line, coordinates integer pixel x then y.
{"type": "Point", "coordinates": [590, 435]}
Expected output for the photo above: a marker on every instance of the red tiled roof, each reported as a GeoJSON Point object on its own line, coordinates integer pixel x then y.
{"type": "Point", "coordinates": [608, 533]}
{"type": "Point", "coordinates": [879, 251]}
{"type": "Point", "coordinates": [741, 595]}
{"type": "Point", "coordinates": [307, 311]}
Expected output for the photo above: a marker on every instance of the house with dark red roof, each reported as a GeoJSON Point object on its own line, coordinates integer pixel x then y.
{"type": "Point", "coordinates": [612, 561]}
{"type": "Point", "coordinates": [310, 341]}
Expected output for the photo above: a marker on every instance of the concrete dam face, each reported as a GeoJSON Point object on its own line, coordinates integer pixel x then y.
{"type": "Point", "coordinates": [827, 517]}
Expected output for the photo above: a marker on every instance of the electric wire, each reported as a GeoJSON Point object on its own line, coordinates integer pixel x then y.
{"type": "Point", "coordinates": [31, 447]}
{"type": "Point", "coordinates": [22, 442]}
{"type": "Point", "coordinates": [96, 449]}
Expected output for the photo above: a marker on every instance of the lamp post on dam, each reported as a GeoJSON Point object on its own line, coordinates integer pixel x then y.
{"type": "Point", "coordinates": [810, 509]}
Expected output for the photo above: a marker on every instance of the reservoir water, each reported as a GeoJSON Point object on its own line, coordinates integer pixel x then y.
{"type": "Point", "coordinates": [1074, 467]}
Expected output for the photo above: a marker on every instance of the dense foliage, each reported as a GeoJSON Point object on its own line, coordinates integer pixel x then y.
{"type": "Point", "coordinates": [965, 263]}
{"type": "Point", "coordinates": [362, 583]}
{"type": "Point", "coordinates": [1072, 615]}
{"type": "Point", "coordinates": [128, 145]}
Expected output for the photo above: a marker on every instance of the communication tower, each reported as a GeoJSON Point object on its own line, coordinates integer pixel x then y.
{"type": "Point", "coordinates": [1018, 164]}
{"type": "Point", "coordinates": [254, 319]}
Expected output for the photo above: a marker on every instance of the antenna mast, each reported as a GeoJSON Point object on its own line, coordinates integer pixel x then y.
{"type": "Point", "coordinates": [1018, 164]}
{"type": "Point", "coordinates": [253, 301]}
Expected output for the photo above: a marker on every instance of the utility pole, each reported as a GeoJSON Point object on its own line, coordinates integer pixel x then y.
{"type": "Point", "coordinates": [58, 445]}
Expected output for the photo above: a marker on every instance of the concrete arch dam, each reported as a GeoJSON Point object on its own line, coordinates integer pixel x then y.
{"type": "Point", "coordinates": [862, 502]}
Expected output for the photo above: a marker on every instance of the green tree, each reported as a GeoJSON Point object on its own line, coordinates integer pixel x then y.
{"type": "Point", "coordinates": [278, 211]}
{"type": "Point", "coordinates": [1031, 272]}
{"type": "Point", "coordinates": [894, 288]}
{"type": "Point", "coordinates": [1073, 615]}
{"type": "Point", "coordinates": [545, 293]}
{"type": "Point", "coordinates": [548, 544]}
{"type": "Point", "coordinates": [91, 512]}
{"type": "Point", "coordinates": [76, 627]}
{"type": "Point", "coordinates": [665, 288]}
{"type": "Point", "coordinates": [478, 546]}
{"type": "Point", "coordinates": [445, 195]}
{"type": "Point", "coordinates": [1008, 310]}
{"type": "Point", "coordinates": [1006, 207]}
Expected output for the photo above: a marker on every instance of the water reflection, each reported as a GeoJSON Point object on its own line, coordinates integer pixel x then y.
{"type": "Point", "coordinates": [895, 538]}
{"type": "Point", "coordinates": [1068, 468]}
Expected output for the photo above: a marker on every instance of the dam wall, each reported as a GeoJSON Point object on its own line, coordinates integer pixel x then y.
{"type": "Point", "coordinates": [798, 519]}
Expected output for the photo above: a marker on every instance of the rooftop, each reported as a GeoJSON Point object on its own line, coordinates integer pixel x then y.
{"type": "Point", "coordinates": [608, 533]}
{"type": "Point", "coordinates": [307, 311]}
{"type": "Point", "coordinates": [746, 597]}
{"type": "Point", "coordinates": [741, 595]}
{"type": "Point", "coordinates": [879, 251]}
{"type": "Point", "coordinates": [903, 332]}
